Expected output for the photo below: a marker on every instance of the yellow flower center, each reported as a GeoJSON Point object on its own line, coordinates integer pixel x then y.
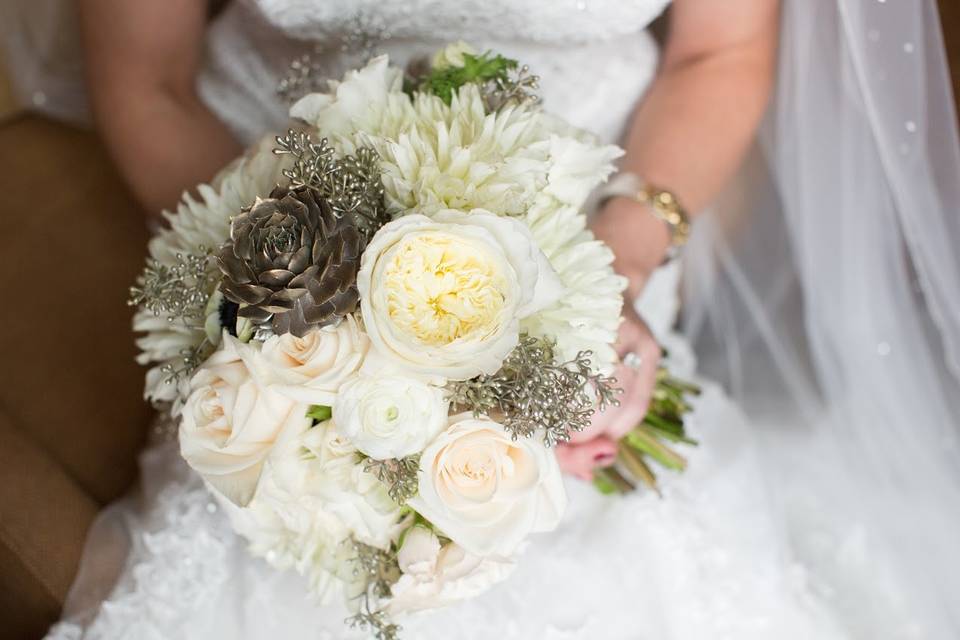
{"type": "Point", "coordinates": [442, 288]}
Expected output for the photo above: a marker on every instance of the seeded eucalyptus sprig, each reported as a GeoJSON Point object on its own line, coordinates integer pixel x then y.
{"type": "Point", "coordinates": [401, 476]}
{"type": "Point", "coordinates": [532, 391]}
{"type": "Point", "coordinates": [374, 621]}
{"type": "Point", "coordinates": [350, 184]}
{"type": "Point", "coordinates": [179, 291]}
{"type": "Point", "coordinates": [379, 571]}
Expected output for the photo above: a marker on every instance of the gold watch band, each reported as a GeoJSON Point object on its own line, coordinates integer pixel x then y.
{"type": "Point", "coordinates": [661, 203]}
{"type": "Point", "coordinates": [665, 206]}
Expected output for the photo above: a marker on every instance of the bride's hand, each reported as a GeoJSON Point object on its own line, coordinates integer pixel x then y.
{"type": "Point", "coordinates": [639, 241]}
{"type": "Point", "coordinates": [596, 445]}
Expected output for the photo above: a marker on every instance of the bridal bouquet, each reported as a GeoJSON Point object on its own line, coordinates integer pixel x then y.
{"type": "Point", "coordinates": [373, 329]}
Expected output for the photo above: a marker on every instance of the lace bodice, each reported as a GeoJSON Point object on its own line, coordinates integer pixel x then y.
{"type": "Point", "coordinates": [594, 56]}
{"type": "Point", "coordinates": [558, 22]}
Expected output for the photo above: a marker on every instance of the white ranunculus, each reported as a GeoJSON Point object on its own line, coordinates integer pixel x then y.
{"type": "Point", "coordinates": [443, 296]}
{"type": "Point", "coordinates": [486, 491]}
{"type": "Point", "coordinates": [435, 576]}
{"type": "Point", "coordinates": [312, 368]}
{"type": "Point", "coordinates": [389, 416]}
{"type": "Point", "coordinates": [232, 420]}
{"type": "Point", "coordinates": [451, 55]}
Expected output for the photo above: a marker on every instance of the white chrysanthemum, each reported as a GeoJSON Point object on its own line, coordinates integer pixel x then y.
{"type": "Point", "coordinates": [313, 498]}
{"type": "Point", "coordinates": [519, 161]}
{"type": "Point", "coordinates": [199, 222]}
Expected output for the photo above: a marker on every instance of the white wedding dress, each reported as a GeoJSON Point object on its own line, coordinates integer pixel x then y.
{"type": "Point", "coordinates": [711, 559]}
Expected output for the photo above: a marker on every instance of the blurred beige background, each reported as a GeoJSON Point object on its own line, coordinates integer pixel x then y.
{"type": "Point", "coordinates": [6, 97]}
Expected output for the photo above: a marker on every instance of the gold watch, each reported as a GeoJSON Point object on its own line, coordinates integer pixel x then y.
{"type": "Point", "coordinates": [661, 203]}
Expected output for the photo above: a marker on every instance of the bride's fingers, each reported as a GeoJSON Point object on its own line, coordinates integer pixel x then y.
{"type": "Point", "coordinates": [601, 421]}
{"type": "Point", "coordinates": [581, 459]}
{"type": "Point", "coordinates": [638, 388]}
{"type": "Point", "coordinates": [637, 384]}
{"type": "Point", "coordinates": [598, 424]}
{"type": "Point", "coordinates": [633, 406]}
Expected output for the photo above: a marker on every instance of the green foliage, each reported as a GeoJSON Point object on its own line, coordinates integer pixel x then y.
{"type": "Point", "coordinates": [479, 69]}
{"type": "Point", "coordinates": [319, 413]}
{"type": "Point", "coordinates": [603, 485]}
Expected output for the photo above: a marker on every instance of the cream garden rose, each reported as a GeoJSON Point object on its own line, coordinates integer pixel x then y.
{"type": "Point", "coordinates": [435, 575]}
{"type": "Point", "coordinates": [389, 416]}
{"type": "Point", "coordinates": [312, 368]}
{"type": "Point", "coordinates": [486, 491]}
{"type": "Point", "coordinates": [232, 420]}
{"type": "Point", "coordinates": [444, 296]}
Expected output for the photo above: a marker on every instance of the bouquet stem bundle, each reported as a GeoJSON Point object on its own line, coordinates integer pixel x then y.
{"type": "Point", "coordinates": [653, 440]}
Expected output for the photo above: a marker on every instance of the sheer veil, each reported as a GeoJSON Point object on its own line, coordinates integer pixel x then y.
{"type": "Point", "coordinates": [838, 295]}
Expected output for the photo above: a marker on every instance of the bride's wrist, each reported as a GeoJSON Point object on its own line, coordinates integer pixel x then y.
{"type": "Point", "coordinates": [640, 242]}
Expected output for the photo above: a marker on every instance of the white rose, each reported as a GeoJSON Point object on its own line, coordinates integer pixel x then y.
{"type": "Point", "coordinates": [232, 419]}
{"type": "Point", "coordinates": [444, 296]}
{"type": "Point", "coordinates": [389, 416]}
{"type": "Point", "coordinates": [312, 368]}
{"type": "Point", "coordinates": [451, 55]}
{"type": "Point", "coordinates": [435, 576]}
{"type": "Point", "coordinates": [486, 491]}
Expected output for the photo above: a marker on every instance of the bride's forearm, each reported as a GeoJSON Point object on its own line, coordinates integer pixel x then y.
{"type": "Point", "coordinates": [142, 60]}
{"type": "Point", "coordinates": [690, 132]}
{"type": "Point", "coordinates": [164, 143]}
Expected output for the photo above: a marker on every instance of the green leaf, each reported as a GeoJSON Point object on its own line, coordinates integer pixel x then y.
{"type": "Point", "coordinates": [319, 413]}
{"type": "Point", "coordinates": [603, 485]}
{"type": "Point", "coordinates": [482, 68]}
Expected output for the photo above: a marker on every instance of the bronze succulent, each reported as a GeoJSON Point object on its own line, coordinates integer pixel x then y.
{"type": "Point", "coordinates": [293, 261]}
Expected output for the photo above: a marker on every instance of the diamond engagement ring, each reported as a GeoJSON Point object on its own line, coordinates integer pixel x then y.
{"type": "Point", "coordinates": [632, 361]}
